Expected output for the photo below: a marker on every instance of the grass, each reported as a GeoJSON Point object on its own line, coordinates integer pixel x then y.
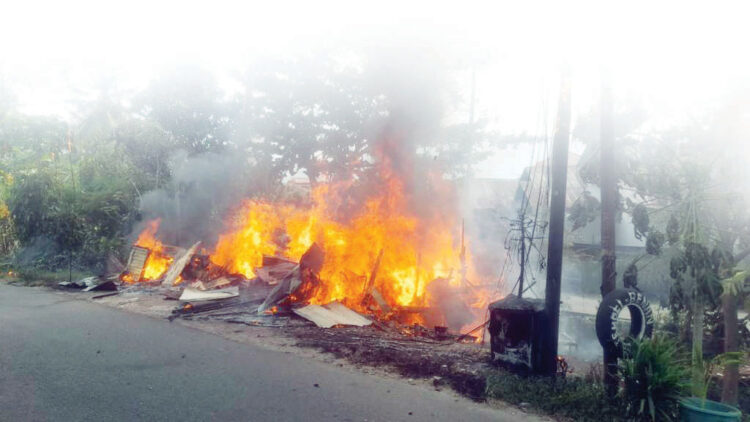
{"type": "Point", "coordinates": [38, 277]}
{"type": "Point", "coordinates": [572, 397]}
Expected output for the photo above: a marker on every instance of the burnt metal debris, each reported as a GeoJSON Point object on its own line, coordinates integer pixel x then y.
{"type": "Point", "coordinates": [331, 314]}
{"type": "Point", "coordinates": [89, 284]}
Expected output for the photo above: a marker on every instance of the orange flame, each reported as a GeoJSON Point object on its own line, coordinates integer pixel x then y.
{"type": "Point", "coordinates": [352, 226]}
{"type": "Point", "coordinates": [158, 261]}
{"type": "Point", "coordinates": [241, 250]}
{"type": "Point", "coordinates": [416, 249]}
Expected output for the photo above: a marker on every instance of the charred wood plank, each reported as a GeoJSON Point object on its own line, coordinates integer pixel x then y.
{"type": "Point", "coordinates": [373, 273]}
{"type": "Point", "coordinates": [178, 265]}
{"type": "Point", "coordinates": [106, 295]}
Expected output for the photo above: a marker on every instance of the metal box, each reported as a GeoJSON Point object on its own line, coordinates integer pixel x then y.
{"type": "Point", "coordinates": [515, 328]}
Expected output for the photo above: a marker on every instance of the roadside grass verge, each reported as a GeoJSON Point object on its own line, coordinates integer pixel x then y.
{"type": "Point", "coordinates": [38, 277]}
{"type": "Point", "coordinates": [572, 397]}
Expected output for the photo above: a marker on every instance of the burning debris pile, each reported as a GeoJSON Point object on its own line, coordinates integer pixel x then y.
{"type": "Point", "coordinates": [280, 285]}
{"type": "Point", "coordinates": [376, 246]}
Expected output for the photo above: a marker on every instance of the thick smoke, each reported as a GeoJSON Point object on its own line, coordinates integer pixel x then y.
{"type": "Point", "coordinates": [418, 104]}
{"type": "Point", "coordinates": [203, 190]}
{"type": "Point", "coordinates": [205, 187]}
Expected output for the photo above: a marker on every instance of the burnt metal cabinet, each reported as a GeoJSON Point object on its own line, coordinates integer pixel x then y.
{"type": "Point", "coordinates": [516, 327]}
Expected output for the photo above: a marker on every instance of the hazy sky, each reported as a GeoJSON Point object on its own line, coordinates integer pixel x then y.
{"type": "Point", "coordinates": [677, 58]}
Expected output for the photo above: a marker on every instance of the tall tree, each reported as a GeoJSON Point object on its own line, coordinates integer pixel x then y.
{"type": "Point", "coordinates": [187, 103]}
{"type": "Point", "coordinates": [312, 117]}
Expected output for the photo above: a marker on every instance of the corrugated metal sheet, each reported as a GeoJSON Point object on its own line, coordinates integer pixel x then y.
{"type": "Point", "coordinates": [334, 313]}
{"type": "Point", "coordinates": [191, 294]}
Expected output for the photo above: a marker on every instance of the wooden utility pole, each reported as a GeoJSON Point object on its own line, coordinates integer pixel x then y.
{"type": "Point", "coordinates": [608, 189]}
{"type": "Point", "coordinates": [559, 177]}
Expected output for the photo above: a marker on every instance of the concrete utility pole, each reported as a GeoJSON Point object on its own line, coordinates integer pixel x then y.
{"type": "Point", "coordinates": [608, 188]}
{"type": "Point", "coordinates": [559, 178]}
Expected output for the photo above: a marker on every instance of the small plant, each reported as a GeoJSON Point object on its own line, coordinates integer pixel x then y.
{"type": "Point", "coordinates": [711, 367]}
{"type": "Point", "coordinates": [655, 374]}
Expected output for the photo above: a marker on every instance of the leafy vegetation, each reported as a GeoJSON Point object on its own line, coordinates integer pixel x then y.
{"type": "Point", "coordinates": [710, 368]}
{"type": "Point", "coordinates": [655, 374]}
{"type": "Point", "coordinates": [692, 217]}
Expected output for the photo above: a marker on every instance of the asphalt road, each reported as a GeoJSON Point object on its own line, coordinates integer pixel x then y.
{"type": "Point", "coordinates": [63, 359]}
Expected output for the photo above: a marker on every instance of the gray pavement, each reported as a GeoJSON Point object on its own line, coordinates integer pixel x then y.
{"type": "Point", "coordinates": [63, 359]}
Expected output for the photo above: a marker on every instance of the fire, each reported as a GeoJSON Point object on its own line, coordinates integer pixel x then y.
{"type": "Point", "coordinates": [158, 261]}
{"type": "Point", "coordinates": [241, 250]}
{"type": "Point", "coordinates": [415, 241]}
{"type": "Point", "coordinates": [416, 249]}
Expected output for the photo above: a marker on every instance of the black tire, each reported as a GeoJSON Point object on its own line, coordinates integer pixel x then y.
{"type": "Point", "coordinates": [641, 319]}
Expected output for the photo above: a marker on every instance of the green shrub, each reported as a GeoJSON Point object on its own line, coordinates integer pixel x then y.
{"type": "Point", "coordinates": [655, 374]}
